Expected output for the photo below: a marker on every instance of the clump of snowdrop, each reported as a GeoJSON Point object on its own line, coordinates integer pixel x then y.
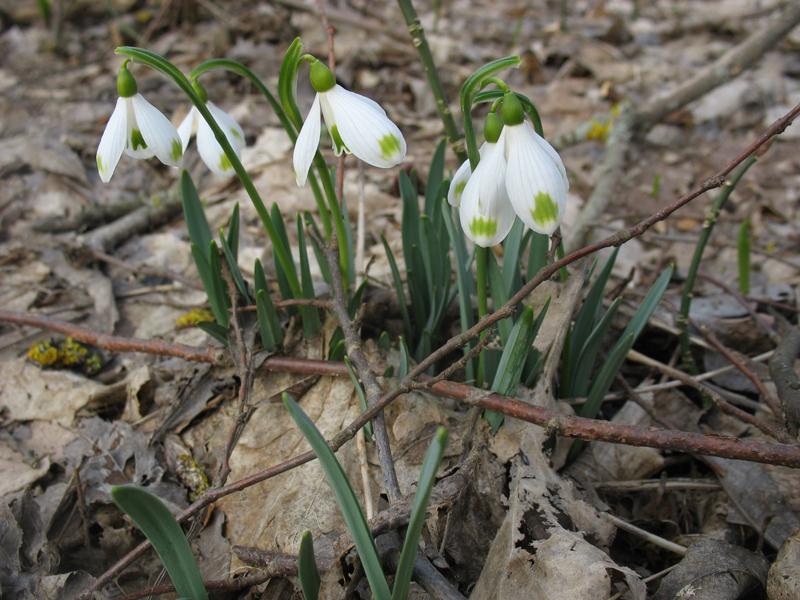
{"type": "Point", "coordinates": [136, 128]}
{"type": "Point", "coordinates": [356, 125]}
{"type": "Point", "coordinates": [519, 173]}
{"type": "Point", "coordinates": [207, 145]}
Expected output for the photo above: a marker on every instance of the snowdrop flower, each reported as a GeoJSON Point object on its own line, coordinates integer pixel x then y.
{"type": "Point", "coordinates": [208, 147]}
{"type": "Point", "coordinates": [486, 213]}
{"type": "Point", "coordinates": [463, 173]}
{"type": "Point", "coordinates": [536, 180]}
{"type": "Point", "coordinates": [356, 124]}
{"type": "Point", "coordinates": [137, 128]}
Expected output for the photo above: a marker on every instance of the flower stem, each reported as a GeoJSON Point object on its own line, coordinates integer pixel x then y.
{"type": "Point", "coordinates": [481, 264]}
{"type": "Point", "coordinates": [694, 267]}
{"type": "Point", "coordinates": [426, 58]}
{"type": "Point", "coordinates": [159, 63]}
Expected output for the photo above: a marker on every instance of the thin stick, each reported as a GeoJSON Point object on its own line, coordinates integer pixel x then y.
{"type": "Point", "coordinates": [110, 342]}
{"type": "Point", "coordinates": [646, 535]}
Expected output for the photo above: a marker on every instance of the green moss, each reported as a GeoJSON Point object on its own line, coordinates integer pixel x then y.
{"type": "Point", "coordinates": [390, 146]}
{"type": "Point", "coordinates": [545, 209]}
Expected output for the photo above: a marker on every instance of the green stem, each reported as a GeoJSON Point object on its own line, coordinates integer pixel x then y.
{"type": "Point", "coordinates": [481, 264]}
{"type": "Point", "coordinates": [238, 68]}
{"type": "Point", "coordinates": [159, 63]}
{"type": "Point", "coordinates": [426, 58]}
{"type": "Point", "coordinates": [702, 241]}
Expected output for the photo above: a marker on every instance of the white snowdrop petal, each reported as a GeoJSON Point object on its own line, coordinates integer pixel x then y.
{"type": "Point", "coordinates": [135, 146]}
{"type": "Point", "coordinates": [307, 142]}
{"type": "Point", "coordinates": [210, 151]}
{"type": "Point", "coordinates": [159, 134]}
{"type": "Point", "coordinates": [486, 213]}
{"type": "Point", "coordinates": [113, 141]}
{"type": "Point", "coordinates": [330, 123]}
{"type": "Point", "coordinates": [232, 130]}
{"type": "Point", "coordinates": [367, 132]}
{"type": "Point", "coordinates": [458, 184]}
{"type": "Point", "coordinates": [535, 185]}
{"type": "Point", "coordinates": [187, 127]}
{"type": "Point", "coordinates": [551, 152]}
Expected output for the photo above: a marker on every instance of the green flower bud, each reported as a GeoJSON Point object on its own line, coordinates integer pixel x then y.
{"type": "Point", "coordinates": [492, 128]}
{"type": "Point", "coordinates": [511, 109]}
{"type": "Point", "coordinates": [201, 91]}
{"type": "Point", "coordinates": [126, 84]}
{"type": "Point", "coordinates": [321, 77]}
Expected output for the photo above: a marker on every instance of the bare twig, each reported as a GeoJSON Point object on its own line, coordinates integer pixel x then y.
{"type": "Point", "coordinates": [646, 535]}
{"type": "Point", "coordinates": [110, 342]}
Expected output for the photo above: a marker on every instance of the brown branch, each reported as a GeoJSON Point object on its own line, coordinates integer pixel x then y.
{"type": "Point", "coordinates": [112, 343]}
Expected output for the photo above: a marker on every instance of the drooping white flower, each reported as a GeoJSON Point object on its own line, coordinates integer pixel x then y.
{"type": "Point", "coordinates": [536, 180]}
{"type": "Point", "coordinates": [136, 128]}
{"type": "Point", "coordinates": [485, 211]}
{"type": "Point", "coordinates": [356, 124]}
{"type": "Point", "coordinates": [207, 146]}
{"type": "Point", "coordinates": [459, 182]}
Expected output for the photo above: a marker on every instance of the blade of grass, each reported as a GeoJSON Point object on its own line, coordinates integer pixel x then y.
{"type": "Point", "coordinates": [307, 571]}
{"type": "Point", "coordinates": [346, 498]}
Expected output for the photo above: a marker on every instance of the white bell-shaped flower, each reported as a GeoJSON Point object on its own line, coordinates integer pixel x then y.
{"type": "Point", "coordinates": [459, 182]}
{"type": "Point", "coordinates": [207, 146]}
{"type": "Point", "coordinates": [536, 179]}
{"type": "Point", "coordinates": [485, 211]}
{"type": "Point", "coordinates": [136, 128]}
{"type": "Point", "coordinates": [356, 124]}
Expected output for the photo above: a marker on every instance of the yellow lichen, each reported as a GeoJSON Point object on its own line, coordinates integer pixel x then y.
{"type": "Point", "coordinates": [69, 354]}
{"type": "Point", "coordinates": [193, 317]}
{"type": "Point", "coordinates": [599, 131]}
{"type": "Point", "coordinates": [192, 476]}
{"type": "Point", "coordinates": [45, 353]}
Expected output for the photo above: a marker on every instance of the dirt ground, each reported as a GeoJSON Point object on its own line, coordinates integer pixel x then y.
{"type": "Point", "coordinates": [509, 518]}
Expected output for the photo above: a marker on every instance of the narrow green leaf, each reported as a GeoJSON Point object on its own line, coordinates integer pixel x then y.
{"type": "Point", "coordinates": [512, 361]}
{"type": "Point", "coordinates": [196, 223]}
{"type": "Point", "coordinates": [215, 330]}
{"type": "Point", "coordinates": [267, 314]}
{"type": "Point", "coordinates": [537, 255]}
{"type": "Point", "coordinates": [648, 305]}
{"type": "Point", "coordinates": [287, 82]}
{"type": "Point", "coordinates": [362, 397]}
{"type": "Point", "coordinates": [348, 503]}
{"type": "Point", "coordinates": [584, 367]}
{"type": "Point", "coordinates": [497, 287]}
{"type": "Point", "coordinates": [404, 368]}
{"type": "Point", "coordinates": [166, 536]}
{"type": "Point", "coordinates": [233, 268]}
{"type": "Point", "coordinates": [220, 302]}
{"type": "Point", "coordinates": [233, 231]}
{"type": "Point", "coordinates": [427, 478]}
{"type": "Point", "coordinates": [322, 260]}
{"type": "Point", "coordinates": [307, 571]}
{"type": "Point", "coordinates": [463, 279]}
{"type": "Point", "coordinates": [513, 246]}
{"type": "Point", "coordinates": [433, 187]}
{"type": "Point", "coordinates": [743, 250]}
{"type": "Point", "coordinates": [336, 349]}
{"type": "Point", "coordinates": [211, 277]}
{"type": "Point", "coordinates": [384, 341]}
{"type": "Point", "coordinates": [284, 279]}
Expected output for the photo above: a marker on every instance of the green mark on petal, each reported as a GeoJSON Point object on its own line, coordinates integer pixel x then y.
{"type": "Point", "coordinates": [390, 146]}
{"type": "Point", "coordinates": [225, 163]}
{"type": "Point", "coordinates": [100, 166]}
{"type": "Point", "coordinates": [235, 133]}
{"type": "Point", "coordinates": [337, 140]}
{"type": "Point", "coordinates": [481, 227]}
{"type": "Point", "coordinates": [137, 141]}
{"type": "Point", "coordinates": [545, 210]}
{"type": "Point", "coordinates": [177, 150]}
{"type": "Point", "coordinates": [460, 188]}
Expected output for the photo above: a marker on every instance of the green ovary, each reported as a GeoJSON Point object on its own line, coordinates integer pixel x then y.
{"type": "Point", "coordinates": [390, 146]}
{"type": "Point", "coordinates": [177, 150]}
{"type": "Point", "coordinates": [481, 227]}
{"type": "Point", "coordinates": [225, 163]}
{"type": "Point", "coordinates": [137, 141]}
{"type": "Point", "coordinates": [545, 210]}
